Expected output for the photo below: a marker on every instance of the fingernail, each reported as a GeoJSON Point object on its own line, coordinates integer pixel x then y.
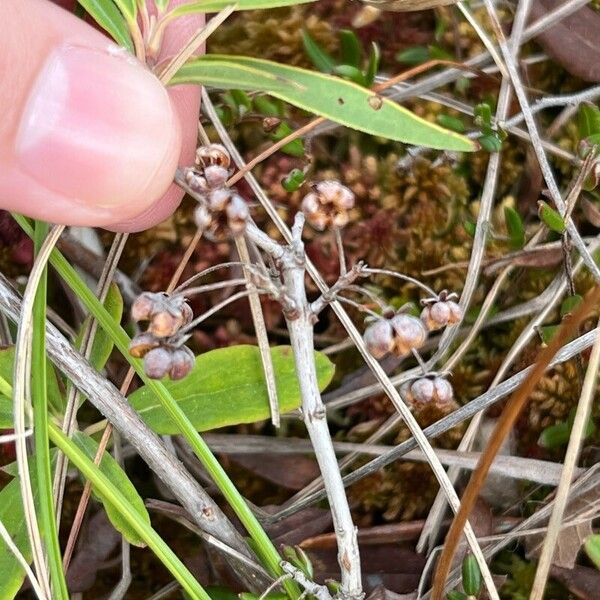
{"type": "Point", "coordinates": [98, 128]}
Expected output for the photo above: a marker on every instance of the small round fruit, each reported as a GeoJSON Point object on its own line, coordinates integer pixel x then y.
{"type": "Point", "coordinates": [379, 338]}
{"type": "Point", "coordinates": [409, 333]}
{"type": "Point", "coordinates": [157, 363]}
{"type": "Point", "coordinates": [443, 391]}
{"type": "Point", "coordinates": [164, 324]}
{"type": "Point", "coordinates": [213, 154]}
{"type": "Point", "coordinates": [423, 390]}
{"type": "Point", "coordinates": [182, 362]}
{"type": "Point", "coordinates": [145, 305]}
{"type": "Point", "coordinates": [141, 344]}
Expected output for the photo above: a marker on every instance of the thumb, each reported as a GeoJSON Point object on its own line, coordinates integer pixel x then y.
{"type": "Point", "coordinates": [88, 136]}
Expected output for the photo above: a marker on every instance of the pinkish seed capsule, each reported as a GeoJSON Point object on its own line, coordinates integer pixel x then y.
{"type": "Point", "coordinates": [219, 199]}
{"type": "Point", "coordinates": [182, 362]}
{"type": "Point", "coordinates": [443, 391]}
{"type": "Point", "coordinates": [197, 182]}
{"type": "Point", "coordinates": [157, 363]}
{"type": "Point", "coordinates": [423, 390]}
{"type": "Point", "coordinates": [237, 214]}
{"type": "Point", "coordinates": [410, 333]}
{"type": "Point", "coordinates": [202, 217]}
{"type": "Point", "coordinates": [141, 344]}
{"type": "Point", "coordinates": [212, 154]}
{"type": "Point", "coordinates": [215, 176]}
{"type": "Point", "coordinates": [145, 305]}
{"type": "Point", "coordinates": [456, 313]}
{"type": "Point", "coordinates": [379, 338]}
{"type": "Point", "coordinates": [164, 324]}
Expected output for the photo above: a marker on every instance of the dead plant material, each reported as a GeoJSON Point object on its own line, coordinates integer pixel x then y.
{"type": "Point", "coordinates": [509, 415]}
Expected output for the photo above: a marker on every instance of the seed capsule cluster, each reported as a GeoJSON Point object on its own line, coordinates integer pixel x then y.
{"type": "Point", "coordinates": [159, 345]}
{"type": "Point", "coordinates": [427, 390]}
{"type": "Point", "coordinates": [441, 311]}
{"type": "Point", "coordinates": [398, 335]}
{"type": "Point", "coordinates": [328, 205]}
{"type": "Point", "coordinates": [221, 206]}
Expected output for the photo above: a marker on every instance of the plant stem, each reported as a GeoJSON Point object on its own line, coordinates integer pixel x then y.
{"type": "Point", "coordinates": [40, 427]}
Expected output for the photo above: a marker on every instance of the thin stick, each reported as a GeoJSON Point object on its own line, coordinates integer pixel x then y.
{"type": "Point", "coordinates": [261, 332]}
{"type": "Point", "coordinates": [337, 234]}
{"type": "Point", "coordinates": [505, 423]}
{"type": "Point", "coordinates": [570, 463]}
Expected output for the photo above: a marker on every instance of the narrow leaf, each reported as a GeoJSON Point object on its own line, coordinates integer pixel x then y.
{"type": "Point", "coordinates": [414, 55]}
{"type": "Point", "coordinates": [115, 474]}
{"type": "Point", "coordinates": [515, 228]}
{"type": "Point", "coordinates": [373, 65]}
{"type": "Point", "coordinates": [226, 387]}
{"type": "Point", "coordinates": [209, 6]}
{"type": "Point", "coordinates": [551, 218]}
{"type": "Point", "coordinates": [351, 49]}
{"type": "Point", "coordinates": [317, 55]}
{"type": "Point", "coordinates": [103, 344]}
{"type": "Point", "coordinates": [588, 120]}
{"type": "Point", "coordinates": [6, 413]}
{"type": "Point", "coordinates": [341, 101]}
{"type": "Point", "coordinates": [471, 575]}
{"type": "Point", "coordinates": [128, 8]}
{"type": "Point", "coordinates": [107, 15]}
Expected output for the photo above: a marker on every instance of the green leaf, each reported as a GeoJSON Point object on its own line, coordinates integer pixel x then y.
{"type": "Point", "coordinates": [115, 474]}
{"type": "Point", "coordinates": [588, 120]}
{"type": "Point", "coordinates": [227, 387]}
{"type": "Point", "coordinates": [483, 114]}
{"type": "Point", "coordinates": [103, 344]}
{"type": "Point", "coordinates": [291, 182]}
{"type": "Point", "coordinates": [128, 8]}
{"type": "Point", "coordinates": [592, 549]}
{"type": "Point", "coordinates": [209, 6]}
{"type": "Point", "coordinates": [56, 399]}
{"type": "Point", "coordinates": [570, 304]}
{"type": "Point", "coordinates": [293, 148]}
{"type": "Point", "coordinates": [456, 595]}
{"type": "Point", "coordinates": [551, 218]}
{"type": "Point", "coordinates": [265, 106]}
{"type": "Point", "coordinates": [351, 73]}
{"type": "Point", "coordinates": [107, 15]}
{"type": "Point", "coordinates": [351, 48]}
{"type": "Point", "coordinates": [373, 65]}
{"type": "Point", "coordinates": [414, 55]}
{"type": "Point", "coordinates": [547, 332]}
{"type": "Point", "coordinates": [6, 413]}
{"type": "Point", "coordinates": [557, 435]}
{"type": "Point", "coordinates": [515, 228]}
{"type": "Point", "coordinates": [490, 142]}
{"type": "Point", "coordinates": [321, 59]}
{"type": "Point", "coordinates": [471, 576]}
{"type": "Point", "coordinates": [470, 228]}
{"type": "Point", "coordinates": [330, 97]}
{"type": "Point", "coordinates": [449, 122]}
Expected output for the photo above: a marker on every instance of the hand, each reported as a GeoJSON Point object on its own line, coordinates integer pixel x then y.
{"type": "Point", "coordinates": [88, 135]}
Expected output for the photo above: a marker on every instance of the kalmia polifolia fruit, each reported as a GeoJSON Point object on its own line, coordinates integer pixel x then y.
{"type": "Point", "coordinates": [211, 155]}
{"type": "Point", "coordinates": [379, 338]}
{"type": "Point", "coordinates": [426, 390]}
{"type": "Point", "coordinates": [141, 344]}
{"type": "Point", "coordinates": [441, 311]}
{"type": "Point", "coordinates": [328, 205]}
{"type": "Point", "coordinates": [409, 333]}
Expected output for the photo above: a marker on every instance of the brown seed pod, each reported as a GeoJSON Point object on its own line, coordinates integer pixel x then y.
{"type": "Point", "coordinates": [328, 205]}
{"type": "Point", "coordinates": [182, 362]}
{"type": "Point", "coordinates": [237, 214]}
{"type": "Point", "coordinates": [379, 338]}
{"type": "Point", "coordinates": [197, 182]}
{"type": "Point", "coordinates": [146, 305]}
{"type": "Point", "coordinates": [157, 362]}
{"type": "Point", "coordinates": [165, 324]}
{"type": "Point", "coordinates": [423, 390]}
{"type": "Point", "coordinates": [216, 176]}
{"type": "Point", "coordinates": [141, 344]}
{"type": "Point", "coordinates": [456, 313]}
{"type": "Point", "coordinates": [443, 391]}
{"type": "Point", "coordinates": [219, 199]}
{"type": "Point", "coordinates": [409, 333]}
{"type": "Point", "coordinates": [213, 154]}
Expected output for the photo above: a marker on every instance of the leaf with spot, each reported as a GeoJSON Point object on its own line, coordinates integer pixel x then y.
{"type": "Point", "coordinates": [341, 101]}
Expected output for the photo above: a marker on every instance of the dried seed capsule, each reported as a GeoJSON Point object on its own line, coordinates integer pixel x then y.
{"type": "Point", "coordinates": [202, 217]}
{"type": "Point", "coordinates": [456, 313]}
{"type": "Point", "coordinates": [237, 214]}
{"type": "Point", "coordinates": [219, 199]}
{"type": "Point", "coordinates": [328, 205]}
{"type": "Point", "coordinates": [182, 362]}
{"type": "Point", "coordinates": [146, 304]}
{"type": "Point", "coordinates": [186, 312]}
{"type": "Point", "coordinates": [409, 333]}
{"type": "Point", "coordinates": [157, 362]}
{"type": "Point", "coordinates": [443, 391]}
{"type": "Point", "coordinates": [379, 338]}
{"type": "Point", "coordinates": [213, 154]}
{"type": "Point", "coordinates": [196, 181]}
{"type": "Point", "coordinates": [165, 324]}
{"type": "Point", "coordinates": [215, 176]}
{"type": "Point", "coordinates": [141, 344]}
{"type": "Point", "coordinates": [423, 390]}
{"type": "Point", "coordinates": [436, 315]}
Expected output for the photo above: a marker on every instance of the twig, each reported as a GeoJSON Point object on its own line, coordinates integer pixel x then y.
{"type": "Point", "coordinates": [261, 332]}
{"type": "Point", "coordinates": [300, 325]}
{"type": "Point", "coordinates": [320, 592]}
{"type": "Point", "coordinates": [570, 462]}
